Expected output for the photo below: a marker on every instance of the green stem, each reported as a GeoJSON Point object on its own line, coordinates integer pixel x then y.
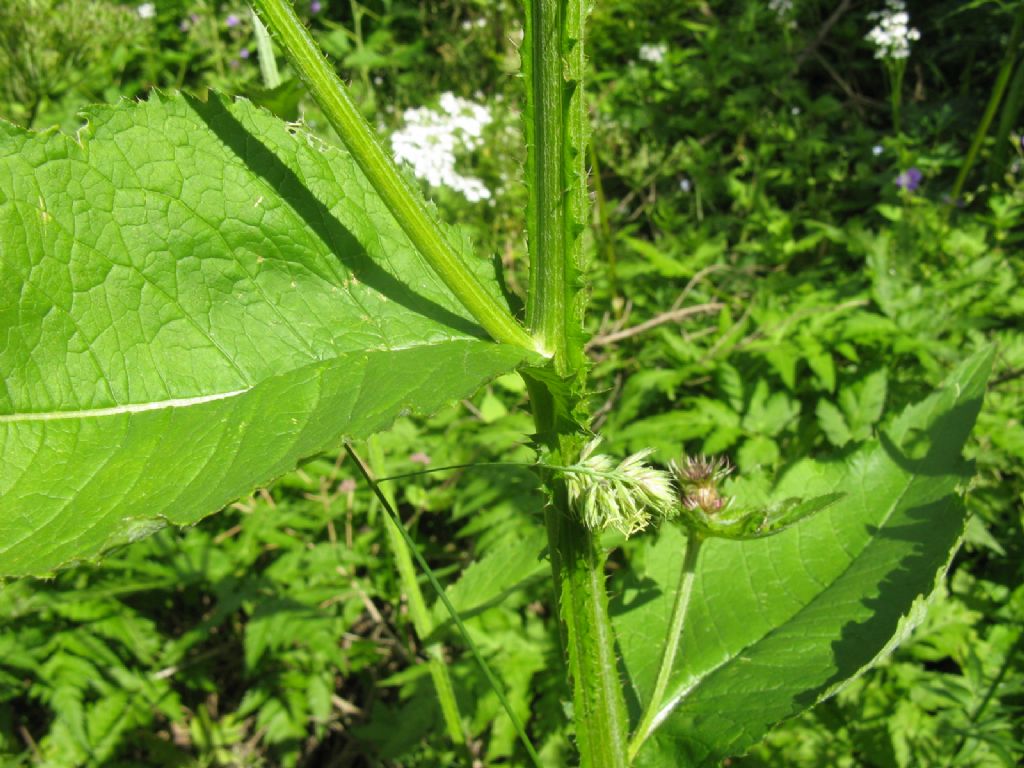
{"type": "Point", "coordinates": [1008, 115]}
{"type": "Point", "coordinates": [653, 714]}
{"type": "Point", "coordinates": [405, 204]}
{"type": "Point", "coordinates": [422, 621]}
{"type": "Point", "coordinates": [599, 708]}
{"type": "Point", "coordinates": [556, 174]}
{"type": "Point", "coordinates": [993, 104]}
{"type": "Point", "coordinates": [553, 65]}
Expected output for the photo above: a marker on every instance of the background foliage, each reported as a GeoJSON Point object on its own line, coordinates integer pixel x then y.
{"type": "Point", "coordinates": [762, 287]}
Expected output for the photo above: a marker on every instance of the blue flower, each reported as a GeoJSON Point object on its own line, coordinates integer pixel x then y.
{"type": "Point", "coordinates": [232, 20]}
{"type": "Point", "coordinates": [910, 179]}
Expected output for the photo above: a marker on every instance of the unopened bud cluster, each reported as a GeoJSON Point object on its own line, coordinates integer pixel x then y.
{"type": "Point", "coordinates": [621, 496]}
{"type": "Point", "coordinates": [698, 479]}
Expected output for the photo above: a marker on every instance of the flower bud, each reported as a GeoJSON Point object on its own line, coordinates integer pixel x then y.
{"type": "Point", "coordinates": [707, 513]}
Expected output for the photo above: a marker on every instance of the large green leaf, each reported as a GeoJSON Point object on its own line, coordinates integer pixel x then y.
{"type": "Point", "coordinates": [193, 297]}
{"type": "Point", "coordinates": [778, 623]}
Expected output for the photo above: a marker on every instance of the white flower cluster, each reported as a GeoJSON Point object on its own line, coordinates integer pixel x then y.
{"type": "Point", "coordinates": [781, 8]}
{"type": "Point", "coordinates": [431, 138]}
{"type": "Point", "coordinates": [146, 11]}
{"type": "Point", "coordinates": [892, 33]}
{"type": "Point", "coordinates": [653, 54]}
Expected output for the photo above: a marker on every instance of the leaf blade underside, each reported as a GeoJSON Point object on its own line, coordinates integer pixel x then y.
{"type": "Point", "coordinates": [193, 297]}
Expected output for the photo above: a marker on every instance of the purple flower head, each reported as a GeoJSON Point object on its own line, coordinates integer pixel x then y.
{"type": "Point", "coordinates": [315, 6]}
{"type": "Point", "coordinates": [244, 53]}
{"type": "Point", "coordinates": [910, 179]}
{"type": "Point", "coordinates": [232, 20]}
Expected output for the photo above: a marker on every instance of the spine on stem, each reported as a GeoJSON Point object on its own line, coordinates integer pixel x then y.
{"type": "Point", "coordinates": [553, 63]}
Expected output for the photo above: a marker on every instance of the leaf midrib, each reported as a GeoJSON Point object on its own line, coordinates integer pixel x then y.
{"type": "Point", "coordinates": [193, 400]}
{"type": "Point", "coordinates": [118, 410]}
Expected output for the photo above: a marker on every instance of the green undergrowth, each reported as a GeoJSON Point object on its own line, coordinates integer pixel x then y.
{"type": "Point", "coordinates": [761, 288]}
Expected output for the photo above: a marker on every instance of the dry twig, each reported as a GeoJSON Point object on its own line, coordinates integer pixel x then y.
{"type": "Point", "coordinates": [674, 315]}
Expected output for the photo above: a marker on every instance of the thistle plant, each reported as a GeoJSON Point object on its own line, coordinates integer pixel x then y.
{"type": "Point", "coordinates": [699, 477]}
{"type": "Point", "coordinates": [239, 295]}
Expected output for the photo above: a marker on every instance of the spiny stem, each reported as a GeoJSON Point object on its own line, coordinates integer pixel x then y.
{"type": "Point", "coordinates": [553, 66]}
{"type": "Point", "coordinates": [672, 641]}
{"type": "Point", "coordinates": [405, 204]}
{"type": "Point", "coordinates": [556, 174]}
{"type": "Point", "coordinates": [599, 707]}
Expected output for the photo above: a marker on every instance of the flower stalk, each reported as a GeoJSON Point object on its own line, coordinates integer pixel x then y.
{"type": "Point", "coordinates": [656, 709]}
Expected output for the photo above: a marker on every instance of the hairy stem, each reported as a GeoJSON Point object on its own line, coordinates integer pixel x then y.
{"type": "Point", "coordinates": [598, 704]}
{"type": "Point", "coordinates": [552, 56]}
{"type": "Point", "coordinates": [556, 174]}
{"type": "Point", "coordinates": [405, 204]}
{"type": "Point", "coordinates": [653, 713]}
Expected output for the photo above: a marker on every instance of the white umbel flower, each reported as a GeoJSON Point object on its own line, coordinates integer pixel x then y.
{"type": "Point", "coordinates": [653, 53]}
{"type": "Point", "coordinates": [431, 138]}
{"type": "Point", "coordinates": [892, 33]}
{"type": "Point", "coordinates": [146, 11]}
{"type": "Point", "coordinates": [784, 12]}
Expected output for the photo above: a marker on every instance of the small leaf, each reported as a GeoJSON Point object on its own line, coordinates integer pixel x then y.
{"type": "Point", "coordinates": [498, 573]}
{"type": "Point", "coordinates": [833, 423]}
{"type": "Point", "coordinates": [820, 362]}
{"type": "Point", "coordinates": [768, 414]}
{"type": "Point", "coordinates": [863, 402]}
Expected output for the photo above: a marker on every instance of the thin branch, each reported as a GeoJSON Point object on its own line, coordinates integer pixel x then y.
{"type": "Point", "coordinates": [823, 30]}
{"type": "Point", "coordinates": [672, 316]}
{"type": "Point", "coordinates": [1010, 375]}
